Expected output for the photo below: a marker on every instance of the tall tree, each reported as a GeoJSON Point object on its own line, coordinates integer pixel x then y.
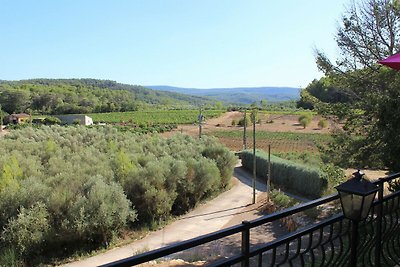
{"type": "Point", "coordinates": [369, 31]}
{"type": "Point", "coordinates": [14, 101]}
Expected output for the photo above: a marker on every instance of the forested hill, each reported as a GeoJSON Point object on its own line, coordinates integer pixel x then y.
{"type": "Point", "coordinates": [243, 95]}
{"type": "Point", "coordinates": [61, 96]}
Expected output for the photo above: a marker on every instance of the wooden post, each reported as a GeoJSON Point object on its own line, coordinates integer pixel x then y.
{"type": "Point", "coordinates": [253, 115]}
{"type": "Point", "coordinates": [200, 118]}
{"type": "Point", "coordinates": [244, 131]}
{"type": "Point", "coordinates": [269, 172]}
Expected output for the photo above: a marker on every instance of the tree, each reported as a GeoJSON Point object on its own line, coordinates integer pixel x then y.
{"type": "Point", "coordinates": [14, 100]}
{"type": "Point", "coordinates": [254, 115]}
{"type": "Point", "coordinates": [324, 90]}
{"type": "Point", "coordinates": [263, 104]}
{"type": "Point", "coordinates": [219, 105]}
{"type": "Point", "coordinates": [369, 32]}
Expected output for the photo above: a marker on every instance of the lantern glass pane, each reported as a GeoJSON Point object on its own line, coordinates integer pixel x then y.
{"type": "Point", "coordinates": [367, 205]}
{"type": "Point", "coordinates": [351, 204]}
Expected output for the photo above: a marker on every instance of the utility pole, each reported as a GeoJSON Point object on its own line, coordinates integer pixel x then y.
{"type": "Point", "coordinates": [244, 131]}
{"type": "Point", "coordinates": [200, 119]}
{"type": "Point", "coordinates": [253, 118]}
{"type": "Point", "coordinates": [269, 172]}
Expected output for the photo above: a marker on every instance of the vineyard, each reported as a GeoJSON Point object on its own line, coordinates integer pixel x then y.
{"type": "Point", "coordinates": [279, 141]}
{"type": "Point", "coordinates": [154, 116]}
{"type": "Point", "coordinates": [282, 133]}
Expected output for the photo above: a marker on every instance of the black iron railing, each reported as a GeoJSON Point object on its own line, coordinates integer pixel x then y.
{"type": "Point", "coordinates": [325, 243]}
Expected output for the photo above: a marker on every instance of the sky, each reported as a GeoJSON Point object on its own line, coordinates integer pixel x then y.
{"type": "Point", "coordinates": [185, 43]}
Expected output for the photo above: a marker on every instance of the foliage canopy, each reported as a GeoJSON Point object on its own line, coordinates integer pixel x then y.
{"type": "Point", "coordinates": [67, 96]}
{"type": "Point", "coordinates": [360, 92]}
{"type": "Point", "coordinates": [64, 186]}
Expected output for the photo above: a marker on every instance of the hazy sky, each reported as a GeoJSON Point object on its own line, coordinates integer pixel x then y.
{"type": "Point", "coordinates": [187, 43]}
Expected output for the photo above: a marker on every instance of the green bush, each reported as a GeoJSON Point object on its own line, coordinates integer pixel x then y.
{"type": "Point", "coordinates": [323, 123]}
{"type": "Point", "coordinates": [27, 232]}
{"type": "Point", "coordinates": [77, 188]}
{"type": "Point", "coordinates": [305, 120]}
{"type": "Point", "coordinates": [101, 212]}
{"type": "Point", "coordinates": [51, 121]}
{"type": "Point", "coordinates": [9, 257]}
{"type": "Point", "coordinates": [241, 121]}
{"type": "Point", "coordinates": [224, 161]}
{"type": "Point", "coordinates": [281, 200]}
{"type": "Point", "coordinates": [295, 177]}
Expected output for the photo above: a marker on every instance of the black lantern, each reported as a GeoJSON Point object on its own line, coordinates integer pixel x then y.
{"type": "Point", "coordinates": [356, 196]}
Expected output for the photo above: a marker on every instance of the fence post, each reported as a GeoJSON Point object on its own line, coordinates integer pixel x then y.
{"type": "Point", "coordinates": [378, 238]}
{"type": "Point", "coordinates": [246, 244]}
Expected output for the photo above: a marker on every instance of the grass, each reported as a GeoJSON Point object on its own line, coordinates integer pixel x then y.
{"type": "Point", "coordinates": [304, 157]}
{"type": "Point", "coordinates": [313, 137]}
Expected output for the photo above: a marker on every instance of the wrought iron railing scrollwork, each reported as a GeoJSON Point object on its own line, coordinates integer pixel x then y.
{"type": "Point", "coordinates": [325, 243]}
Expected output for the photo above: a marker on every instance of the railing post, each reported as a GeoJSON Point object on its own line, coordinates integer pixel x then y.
{"type": "Point", "coordinates": [246, 244]}
{"type": "Point", "coordinates": [378, 238]}
{"type": "Point", "coordinates": [353, 243]}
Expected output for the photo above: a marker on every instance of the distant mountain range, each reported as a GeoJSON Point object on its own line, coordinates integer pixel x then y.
{"type": "Point", "coordinates": [243, 95]}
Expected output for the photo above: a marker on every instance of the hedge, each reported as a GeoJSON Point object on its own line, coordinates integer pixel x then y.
{"type": "Point", "coordinates": [295, 177]}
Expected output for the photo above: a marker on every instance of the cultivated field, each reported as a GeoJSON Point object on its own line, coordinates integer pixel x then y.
{"type": "Point", "coordinates": [281, 131]}
{"type": "Point", "coordinates": [154, 116]}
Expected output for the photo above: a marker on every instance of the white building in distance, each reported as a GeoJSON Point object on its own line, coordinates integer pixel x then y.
{"type": "Point", "coordinates": [72, 119]}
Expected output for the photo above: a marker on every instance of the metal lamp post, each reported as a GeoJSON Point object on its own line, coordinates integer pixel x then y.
{"type": "Point", "coordinates": [356, 197]}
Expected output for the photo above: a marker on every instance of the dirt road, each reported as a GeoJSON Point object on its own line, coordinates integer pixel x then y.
{"type": "Point", "coordinates": [209, 217]}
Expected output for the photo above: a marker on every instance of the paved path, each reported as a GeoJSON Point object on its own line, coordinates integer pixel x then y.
{"type": "Point", "coordinates": [209, 217]}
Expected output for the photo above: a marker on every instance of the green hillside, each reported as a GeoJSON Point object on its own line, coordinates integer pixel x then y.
{"type": "Point", "coordinates": [62, 96]}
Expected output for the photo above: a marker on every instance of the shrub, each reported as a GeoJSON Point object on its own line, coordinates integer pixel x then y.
{"type": "Point", "coordinates": [101, 212]}
{"type": "Point", "coordinates": [51, 121]}
{"type": "Point", "coordinates": [83, 186]}
{"type": "Point", "coordinates": [241, 121]}
{"type": "Point", "coordinates": [9, 257]}
{"type": "Point", "coordinates": [225, 161]}
{"type": "Point", "coordinates": [323, 123]}
{"type": "Point", "coordinates": [281, 200]}
{"type": "Point", "coordinates": [233, 122]}
{"type": "Point", "coordinates": [305, 120]}
{"type": "Point", "coordinates": [28, 230]}
{"type": "Point", "coordinates": [292, 176]}
{"type": "Point", "coordinates": [334, 175]}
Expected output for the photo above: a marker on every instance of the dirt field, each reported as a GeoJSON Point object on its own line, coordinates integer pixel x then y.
{"type": "Point", "coordinates": [279, 123]}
